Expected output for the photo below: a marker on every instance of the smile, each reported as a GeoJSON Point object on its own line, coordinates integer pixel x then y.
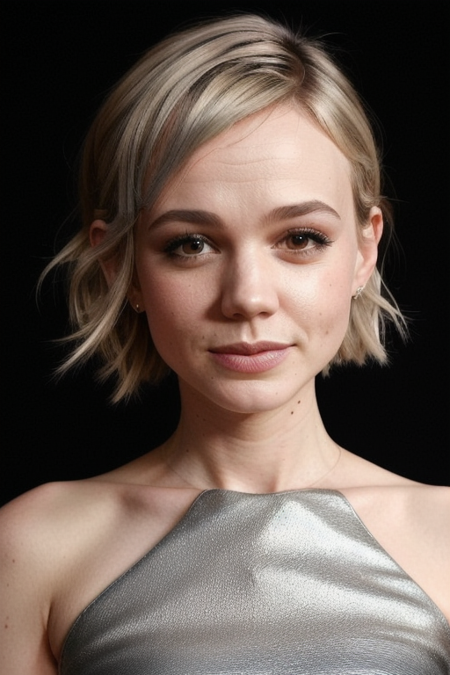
{"type": "Point", "coordinates": [251, 358]}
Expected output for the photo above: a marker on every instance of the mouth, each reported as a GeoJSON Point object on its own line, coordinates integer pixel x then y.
{"type": "Point", "coordinates": [250, 348]}
{"type": "Point", "coordinates": [256, 357]}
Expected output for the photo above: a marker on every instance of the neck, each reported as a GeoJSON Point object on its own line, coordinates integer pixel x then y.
{"type": "Point", "coordinates": [271, 451]}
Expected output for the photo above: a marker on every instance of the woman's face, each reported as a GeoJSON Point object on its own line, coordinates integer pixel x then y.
{"type": "Point", "coordinates": [247, 264]}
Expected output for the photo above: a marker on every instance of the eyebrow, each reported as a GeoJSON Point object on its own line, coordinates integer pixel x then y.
{"type": "Point", "coordinates": [302, 209]}
{"type": "Point", "coordinates": [197, 217]}
{"type": "Point", "coordinates": [200, 217]}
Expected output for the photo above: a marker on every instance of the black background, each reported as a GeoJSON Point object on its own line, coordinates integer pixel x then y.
{"type": "Point", "coordinates": [60, 60]}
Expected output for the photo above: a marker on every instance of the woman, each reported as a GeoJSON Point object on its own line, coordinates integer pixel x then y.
{"type": "Point", "coordinates": [231, 219]}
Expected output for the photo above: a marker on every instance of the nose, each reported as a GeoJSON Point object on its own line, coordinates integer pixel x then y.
{"type": "Point", "coordinates": [249, 288]}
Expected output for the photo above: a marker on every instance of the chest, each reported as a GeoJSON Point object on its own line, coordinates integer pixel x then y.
{"type": "Point", "coordinates": [238, 587]}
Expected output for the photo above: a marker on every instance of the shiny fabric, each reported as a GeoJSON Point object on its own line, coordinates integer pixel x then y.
{"type": "Point", "coordinates": [281, 584]}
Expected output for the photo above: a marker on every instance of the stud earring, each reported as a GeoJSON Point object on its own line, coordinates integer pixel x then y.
{"type": "Point", "coordinates": [358, 292]}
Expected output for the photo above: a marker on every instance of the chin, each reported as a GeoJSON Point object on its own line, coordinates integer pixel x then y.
{"type": "Point", "coordinates": [250, 397]}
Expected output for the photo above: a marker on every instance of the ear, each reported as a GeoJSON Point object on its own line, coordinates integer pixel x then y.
{"type": "Point", "coordinates": [369, 238]}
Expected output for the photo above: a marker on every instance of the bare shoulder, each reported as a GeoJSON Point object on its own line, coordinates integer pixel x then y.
{"type": "Point", "coordinates": [64, 536]}
{"type": "Point", "coordinates": [31, 534]}
{"type": "Point", "coordinates": [395, 500]}
{"type": "Point", "coordinates": [41, 527]}
{"type": "Point", "coordinates": [415, 511]}
{"type": "Point", "coordinates": [30, 524]}
{"type": "Point", "coordinates": [41, 522]}
{"type": "Point", "coordinates": [411, 521]}
{"type": "Point", "coordinates": [69, 512]}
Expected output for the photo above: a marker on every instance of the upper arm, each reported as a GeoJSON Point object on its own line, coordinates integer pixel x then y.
{"type": "Point", "coordinates": [25, 592]}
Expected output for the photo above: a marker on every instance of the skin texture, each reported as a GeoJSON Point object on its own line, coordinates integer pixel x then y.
{"type": "Point", "coordinates": [245, 269]}
{"type": "Point", "coordinates": [253, 281]}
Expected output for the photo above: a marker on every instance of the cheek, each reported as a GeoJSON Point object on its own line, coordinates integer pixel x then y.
{"type": "Point", "coordinates": [322, 306]}
{"type": "Point", "coordinates": [335, 308]}
{"type": "Point", "coordinates": [171, 311]}
{"type": "Point", "coordinates": [327, 288]}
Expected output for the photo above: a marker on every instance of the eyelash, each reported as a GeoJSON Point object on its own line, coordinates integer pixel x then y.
{"type": "Point", "coordinates": [320, 240]}
{"type": "Point", "coordinates": [175, 243]}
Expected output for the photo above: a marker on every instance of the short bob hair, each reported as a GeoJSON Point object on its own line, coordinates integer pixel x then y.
{"type": "Point", "coordinates": [186, 90]}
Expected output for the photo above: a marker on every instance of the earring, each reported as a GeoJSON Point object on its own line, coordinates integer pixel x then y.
{"type": "Point", "coordinates": [358, 292]}
{"type": "Point", "coordinates": [136, 308]}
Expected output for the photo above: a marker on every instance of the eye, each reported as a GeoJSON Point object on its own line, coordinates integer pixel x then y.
{"type": "Point", "coordinates": [188, 246]}
{"type": "Point", "coordinates": [304, 241]}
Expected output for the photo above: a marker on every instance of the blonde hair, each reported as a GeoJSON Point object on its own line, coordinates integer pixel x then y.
{"type": "Point", "coordinates": [186, 90]}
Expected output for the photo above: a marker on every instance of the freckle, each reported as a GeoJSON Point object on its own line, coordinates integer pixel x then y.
{"type": "Point", "coordinates": [298, 402]}
{"type": "Point", "coordinates": [292, 412]}
{"type": "Point", "coordinates": [6, 625]}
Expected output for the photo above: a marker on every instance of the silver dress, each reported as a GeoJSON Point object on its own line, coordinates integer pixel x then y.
{"type": "Point", "coordinates": [280, 584]}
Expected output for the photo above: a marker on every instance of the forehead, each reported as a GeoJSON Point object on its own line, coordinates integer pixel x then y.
{"type": "Point", "coordinates": [268, 156]}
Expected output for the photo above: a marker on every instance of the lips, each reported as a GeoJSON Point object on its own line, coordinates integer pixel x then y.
{"type": "Point", "coordinates": [250, 348]}
{"type": "Point", "coordinates": [250, 358]}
